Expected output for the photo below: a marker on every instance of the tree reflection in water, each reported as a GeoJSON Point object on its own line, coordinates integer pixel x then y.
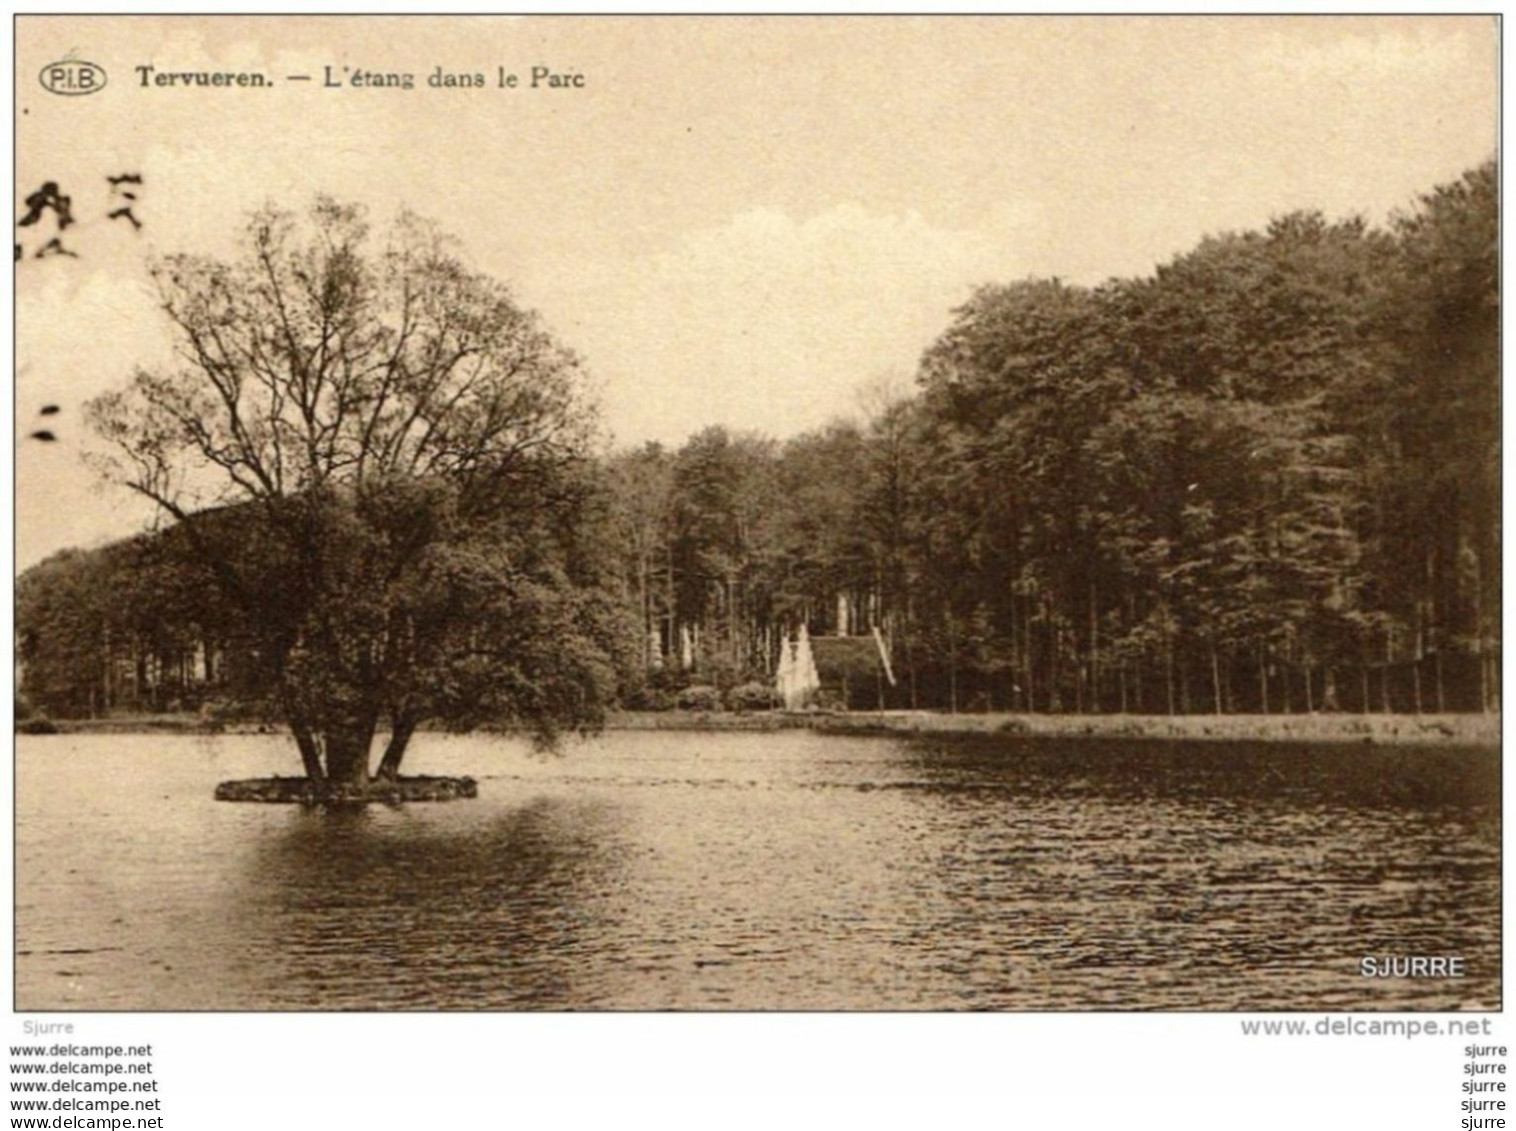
{"type": "Point", "coordinates": [389, 909]}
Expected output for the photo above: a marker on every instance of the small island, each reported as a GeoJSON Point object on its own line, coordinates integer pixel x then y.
{"type": "Point", "coordinates": [303, 791]}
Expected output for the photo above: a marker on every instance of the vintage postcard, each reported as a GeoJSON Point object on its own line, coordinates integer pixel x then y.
{"type": "Point", "coordinates": [757, 513]}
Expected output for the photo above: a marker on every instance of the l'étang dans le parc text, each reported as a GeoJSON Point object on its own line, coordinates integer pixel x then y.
{"type": "Point", "coordinates": [342, 76]}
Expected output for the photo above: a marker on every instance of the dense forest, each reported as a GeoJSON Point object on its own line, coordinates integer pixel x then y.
{"type": "Point", "coordinates": [1264, 478]}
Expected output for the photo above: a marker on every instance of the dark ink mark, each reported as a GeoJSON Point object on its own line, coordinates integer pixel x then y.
{"type": "Point", "coordinates": [44, 198]}
{"type": "Point", "coordinates": [125, 211]}
{"type": "Point", "coordinates": [54, 246]}
{"type": "Point", "coordinates": [48, 410]}
{"type": "Point", "coordinates": [44, 435]}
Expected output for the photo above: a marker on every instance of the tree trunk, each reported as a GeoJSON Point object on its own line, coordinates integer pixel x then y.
{"type": "Point", "coordinates": [1012, 684]}
{"type": "Point", "coordinates": [1094, 653]}
{"type": "Point", "coordinates": [1028, 672]}
{"type": "Point", "coordinates": [347, 749]}
{"type": "Point", "coordinates": [1078, 681]}
{"type": "Point", "coordinates": [1168, 669]}
{"type": "Point", "coordinates": [672, 646]}
{"type": "Point", "coordinates": [1055, 663]}
{"type": "Point", "coordinates": [310, 753]}
{"type": "Point", "coordinates": [400, 737]}
{"type": "Point", "coordinates": [644, 600]}
{"type": "Point", "coordinates": [1329, 690]}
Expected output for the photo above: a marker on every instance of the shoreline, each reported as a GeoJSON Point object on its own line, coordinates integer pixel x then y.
{"type": "Point", "coordinates": [1426, 729]}
{"type": "Point", "coordinates": [1442, 730]}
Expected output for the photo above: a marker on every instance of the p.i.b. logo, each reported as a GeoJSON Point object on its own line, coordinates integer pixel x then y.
{"type": "Point", "coordinates": [72, 76]}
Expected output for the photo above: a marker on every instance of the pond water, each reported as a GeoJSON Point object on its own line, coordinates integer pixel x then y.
{"type": "Point", "coordinates": [789, 870]}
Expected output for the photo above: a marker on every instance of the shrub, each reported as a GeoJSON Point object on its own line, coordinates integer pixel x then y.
{"type": "Point", "coordinates": [827, 699]}
{"type": "Point", "coordinates": [750, 696]}
{"type": "Point", "coordinates": [649, 698]}
{"type": "Point", "coordinates": [721, 672]}
{"type": "Point", "coordinates": [670, 677]}
{"type": "Point", "coordinates": [701, 697]}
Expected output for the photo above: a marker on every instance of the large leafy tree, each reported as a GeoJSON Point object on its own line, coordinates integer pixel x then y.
{"type": "Point", "coordinates": [722, 496]}
{"type": "Point", "coordinates": [640, 528]}
{"type": "Point", "coordinates": [374, 451]}
{"type": "Point", "coordinates": [61, 605]}
{"type": "Point", "coordinates": [1435, 418]}
{"type": "Point", "coordinates": [1269, 464]}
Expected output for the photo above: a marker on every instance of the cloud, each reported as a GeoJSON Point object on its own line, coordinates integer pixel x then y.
{"type": "Point", "coordinates": [771, 321]}
{"type": "Point", "coordinates": [1372, 51]}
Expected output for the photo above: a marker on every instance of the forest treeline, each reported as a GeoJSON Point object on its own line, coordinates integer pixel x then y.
{"type": "Point", "coordinates": [1264, 478]}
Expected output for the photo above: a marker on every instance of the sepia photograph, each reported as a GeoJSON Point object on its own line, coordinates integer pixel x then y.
{"type": "Point", "coordinates": [757, 514]}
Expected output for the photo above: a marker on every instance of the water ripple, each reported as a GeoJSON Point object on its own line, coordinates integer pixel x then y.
{"type": "Point", "coordinates": [760, 871]}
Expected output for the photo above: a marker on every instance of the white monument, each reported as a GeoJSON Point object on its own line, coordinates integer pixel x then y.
{"type": "Point", "coordinates": [796, 677]}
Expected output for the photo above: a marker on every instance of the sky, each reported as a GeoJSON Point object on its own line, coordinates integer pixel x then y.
{"type": "Point", "coordinates": [738, 221]}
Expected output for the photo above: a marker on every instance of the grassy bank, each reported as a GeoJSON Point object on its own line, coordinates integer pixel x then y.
{"type": "Point", "coordinates": [156, 724]}
{"type": "Point", "coordinates": [1459, 730]}
{"type": "Point", "coordinates": [1465, 730]}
